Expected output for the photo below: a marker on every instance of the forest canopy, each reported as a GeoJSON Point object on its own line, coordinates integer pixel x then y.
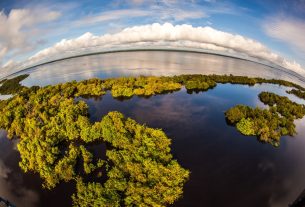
{"type": "Point", "coordinates": [267, 124]}
{"type": "Point", "coordinates": [54, 131]}
{"type": "Point", "coordinates": [297, 92]}
{"type": "Point", "coordinates": [139, 170]}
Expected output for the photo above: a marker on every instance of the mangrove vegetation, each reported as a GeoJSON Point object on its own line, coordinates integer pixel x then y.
{"type": "Point", "coordinates": [297, 92]}
{"type": "Point", "coordinates": [54, 131]}
{"type": "Point", "coordinates": [267, 124]}
{"type": "Point", "coordinates": [149, 85]}
{"type": "Point", "coordinates": [143, 172]}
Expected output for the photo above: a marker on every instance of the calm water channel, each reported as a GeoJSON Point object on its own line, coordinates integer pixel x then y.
{"type": "Point", "coordinates": [227, 168]}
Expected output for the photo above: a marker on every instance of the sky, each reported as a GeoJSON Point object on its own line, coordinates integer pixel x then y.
{"type": "Point", "coordinates": [39, 30]}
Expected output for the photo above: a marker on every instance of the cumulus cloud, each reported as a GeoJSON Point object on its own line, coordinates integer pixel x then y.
{"type": "Point", "coordinates": [18, 27]}
{"type": "Point", "coordinates": [185, 36]}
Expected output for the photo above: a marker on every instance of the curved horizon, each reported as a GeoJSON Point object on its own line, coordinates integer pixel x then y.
{"type": "Point", "coordinates": [151, 48]}
{"type": "Point", "coordinates": [160, 36]}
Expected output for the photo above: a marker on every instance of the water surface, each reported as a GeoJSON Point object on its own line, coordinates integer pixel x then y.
{"type": "Point", "coordinates": [151, 63]}
{"type": "Point", "coordinates": [227, 168]}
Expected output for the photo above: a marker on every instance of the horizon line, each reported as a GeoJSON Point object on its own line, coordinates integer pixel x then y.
{"type": "Point", "coordinates": [164, 48]}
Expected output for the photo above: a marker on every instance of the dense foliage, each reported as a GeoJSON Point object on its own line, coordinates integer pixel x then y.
{"type": "Point", "coordinates": [238, 80]}
{"type": "Point", "coordinates": [285, 107]}
{"type": "Point", "coordinates": [251, 81]}
{"type": "Point", "coordinates": [55, 130]}
{"type": "Point", "coordinates": [141, 86]}
{"type": "Point", "coordinates": [298, 93]}
{"type": "Point", "coordinates": [48, 123]}
{"type": "Point", "coordinates": [12, 86]}
{"type": "Point", "coordinates": [267, 124]}
{"type": "Point", "coordinates": [143, 172]}
{"type": "Point", "coordinates": [147, 86]}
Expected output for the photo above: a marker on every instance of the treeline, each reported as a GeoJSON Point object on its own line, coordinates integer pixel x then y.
{"type": "Point", "coordinates": [150, 85]}
{"type": "Point", "coordinates": [244, 80]}
{"type": "Point", "coordinates": [140, 86]}
{"type": "Point", "coordinates": [267, 124]}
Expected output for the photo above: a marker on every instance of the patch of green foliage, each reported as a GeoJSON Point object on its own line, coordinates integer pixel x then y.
{"type": "Point", "coordinates": [196, 83]}
{"type": "Point", "coordinates": [246, 126]}
{"type": "Point", "coordinates": [251, 81]}
{"type": "Point", "coordinates": [267, 124]}
{"type": "Point", "coordinates": [12, 86]}
{"type": "Point", "coordinates": [298, 93]}
{"type": "Point", "coordinates": [285, 107]}
{"type": "Point", "coordinates": [141, 86]}
{"type": "Point", "coordinates": [143, 172]}
{"type": "Point", "coordinates": [55, 130]}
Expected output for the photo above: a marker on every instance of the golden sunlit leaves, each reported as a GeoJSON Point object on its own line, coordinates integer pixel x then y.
{"type": "Point", "coordinates": [54, 129]}
{"type": "Point", "coordinates": [55, 133]}
{"type": "Point", "coordinates": [267, 124]}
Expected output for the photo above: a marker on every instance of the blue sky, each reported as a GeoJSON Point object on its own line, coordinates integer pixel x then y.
{"type": "Point", "coordinates": [30, 26]}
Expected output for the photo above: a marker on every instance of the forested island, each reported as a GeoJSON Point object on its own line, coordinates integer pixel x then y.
{"type": "Point", "coordinates": [267, 124]}
{"type": "Point", "coordinates": [297, 92]}
{"type": "Point", "coordinates": [54, 132]}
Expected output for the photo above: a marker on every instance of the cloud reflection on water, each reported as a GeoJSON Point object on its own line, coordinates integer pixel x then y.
{"type": "Point", "coordinates": [226, 166]}
{"type": "Point", "coordinates": [12, 186]}
{"type": "Point", "coordinates": [149, 63]}
{"type": "Point", "coordinates": [292, 184]}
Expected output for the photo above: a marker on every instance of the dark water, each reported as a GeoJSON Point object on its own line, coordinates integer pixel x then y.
{"type": "Point", "coordinates": [227, 168]}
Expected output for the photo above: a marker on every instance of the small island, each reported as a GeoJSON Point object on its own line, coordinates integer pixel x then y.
{"type": "Point", "coordinates": [297, 92]}
{"type": "Point", "coordinates": [54, 131]}
{"type": "Point", "coordinates": [267, 124]}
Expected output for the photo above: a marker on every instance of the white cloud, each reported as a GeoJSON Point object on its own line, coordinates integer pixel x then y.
{"type": "Point", "coordinates": [25, 30]}
{"type": "Point", "coordinates": [185, 36]}
{"type": "Point", "coordinates": [287, 29]}
{"type": "Point", "coordinates": [18, 28]}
